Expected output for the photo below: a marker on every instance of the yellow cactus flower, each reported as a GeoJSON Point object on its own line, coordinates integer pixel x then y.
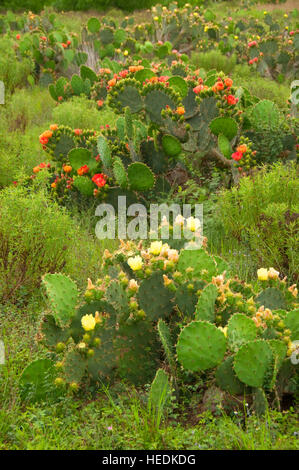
{"type": "Point", "coordinates": [224, 330]}
{"type": "Point", "coordinates": [193, 224]}
{"type": "Point", "coordinates": [135, 263]}
{"type": "Point", "coordinates": [273, 274]}
{"type": "Point", "coordinates": [88, 322]}
{"type": "Point", "coordinates": [156, 247]}
{"type": "Point", "coordinates": [262, 274]}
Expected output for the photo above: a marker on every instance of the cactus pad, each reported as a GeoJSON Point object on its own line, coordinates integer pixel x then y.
{"type": "Point", "coordinates": [271, 298]}
{"type": "Point", "coordinates": [36, 380]}
{"type": "Point", "coordinates": [240, 330]}
{"type": "Point", "coordinates": [62, 293]}
{"type": "Point", "coordinates": [292, 322]}
{"type": "Point", "coordinates": [154, 298]}
{"type": "Point", "coordinates": [205, 308]}
{"type": "Point", "coordinates": [140, 177]}
{"type": "Point", "coordinates": [79, 157]}
{"type": "Point", "coordinates": [165, 337]}
{"type": "Point", "coordinates": [171, 145]}
{"type": "Point", "coordinates": [253, 362]}
{"type": "Point", "coordinates": [74, 366]}
{"type": "Point", "coordinates": [202, 263]}
{"type": "Point", "coordinates": [225, 126]}
{"type": "Point", "coordinates": [200, 346]}
{"type": "Point", "coordinates": [227, 379]}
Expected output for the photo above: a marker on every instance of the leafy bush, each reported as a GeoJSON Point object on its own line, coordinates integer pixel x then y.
{"type": "Point", "coordinates": [82, 113]}
{"type": "Point", "coordinates": [214, 60]}
{"type": "Point", "coordinates": [37, 236]}
{"type": "Point", "coordinates": [263, 213]}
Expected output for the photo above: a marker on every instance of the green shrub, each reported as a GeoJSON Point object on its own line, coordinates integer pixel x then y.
{"type": "Point", "coordinates": [27, 107]}
{"type": "Point", "coordinates": [214, 60]}
{"type": "Point", "coordinates": [263, 213]}
{"type": "Point", "coordinates": [261, 87]}
{"type": "Point", "coordinates": [81, 113]}
{"type": "Point", "coordinates": [37, 236]}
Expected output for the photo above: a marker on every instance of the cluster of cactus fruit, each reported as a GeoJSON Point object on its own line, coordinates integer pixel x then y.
{"type": "Point", "coordinates": [155, 305]}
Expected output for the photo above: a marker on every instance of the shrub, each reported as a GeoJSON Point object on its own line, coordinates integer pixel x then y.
{"type": "Point", "coordinates": [214, 60]}
{"type": "Point", "coordinates": [82, 113]}
{"type": "Point", "coordinates": [263, 213]}
{"type": "Point", "coordinates": [261, 87]}
{"type": "Point", "coordinates": [37, 236]}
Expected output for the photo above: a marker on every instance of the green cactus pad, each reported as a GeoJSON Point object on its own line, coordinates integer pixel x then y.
{"type": "Point", "coordinates": [159, 392]}
{"type": "Point", "coordinates": [221, 265]}
{"type": "Point", "coordinates": [227, 379]}
{"type": "Point", "coordinates": [116, 296]}
{"type": "Point", "coordinates": [265, 114]}
{"type": "Point", "coordinates": [104, 152]}
{"type": "Point", "coordinates": [53, 92]}
{"type": "Point", "coordinates": [102, 364]}
{"type": "Point", "coordinates": [77, 84]}
{"type": "Point", "coordinates": [225, 126]}
{"type": "Point", "coordinates": [155, 101]}
{"type": "Point", "coordinates": [224, 146]}
{"type": "Point", "coordinates": [154, 298]}
{"type": "Point", "coordinates": [84, 185]}
{"type": "Point", "coordinates": [91, 308]}
{"type": "Point", "coordinates": [260, 403]}
{"type": "Point", "coordinates": [157, 160]}
{"type": "Point", "coordinates": [60, 84]}
{"type": "Point", "coordinates": [185, 300]}
{"type": "Point", "coordinates": [63, 146]}
{"type": "Point", "coordinates": [179, 85]}
{"type": "Point", "coordinates": [52, 334]}
{"type": "Point", "coordinates": [140, 177]}
{"type": "Point", "coordinates": [203, 264]}
{"type": "Point", "coordinates": [205, 308]}
{"type": "Point", "coordinates": [129, 96]}
{"type": "Point", "coordinates": [190, 104]}
{"type": "Point", "coordinates": [120, 173]}
{"type": "Point", "coordinates": [171, 145]}
{"type": "Point", "coordinates": [79, 157]}
{"type": "Point", "coordinates": [253, 362]}
{"type": "Point", "coordinates": [74, 367]}
{"type": "Point", "coordinates": [240, 330]}
{"type": "Point", "coordinates": [62, 293]}
{"type": "Point", "coordinates": [36, 380]}
{"type": "Point", "coordinates": [144, 74]}
{"type": "Point", "coordinates": [292, 322]}
{"type": "Point", "coordinates": [165, 337]}
{"type": "Point", "coordinates": [138, 352]}
{"type": "Point", "coordinates": [87, 73]}
{"type": "Point", "coordinates": [93, 25]}
{"type": "Point", "coordinates": [271, 298]}
{"type": "Point", "coordinates": [200, 346]}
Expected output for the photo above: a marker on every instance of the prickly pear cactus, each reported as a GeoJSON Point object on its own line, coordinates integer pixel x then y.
{"type": "Point", "coordinates": [63, 295]}
{"type": "Point", "coordinates": [200, 346]}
